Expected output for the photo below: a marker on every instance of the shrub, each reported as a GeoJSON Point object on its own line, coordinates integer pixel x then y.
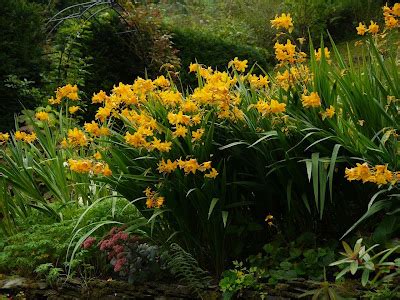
{"type": "Point", "coordinates": [213, 51]}
{"type": "Point", "coordinates": [21, 50]}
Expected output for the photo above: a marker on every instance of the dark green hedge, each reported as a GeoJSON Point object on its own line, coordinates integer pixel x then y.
{"type": "Point", "coordinates": [214, 52]}
{"type": "Point", "coordinates": [21, 46]}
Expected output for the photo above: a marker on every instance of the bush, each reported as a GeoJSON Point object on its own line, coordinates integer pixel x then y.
{"type": "Point", "coordinates": [194, 45]}
{"type": "Point", "coordinates": [338, 17]}
{"type": "Point", "coordinates": [21, 50]}
{"type": "Point", "coordinates": [44, 240]}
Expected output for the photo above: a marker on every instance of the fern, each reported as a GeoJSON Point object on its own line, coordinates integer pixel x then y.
{"type": "Point", "coordinates": [187, 270]}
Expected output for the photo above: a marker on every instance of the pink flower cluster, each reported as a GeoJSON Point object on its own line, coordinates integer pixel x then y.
{"type": "Point", "coordinates": [88, 242]}
{"type": "Point", "coordinates": [113, 243]}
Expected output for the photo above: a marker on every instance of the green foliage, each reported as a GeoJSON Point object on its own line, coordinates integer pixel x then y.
{"type": "Point", "coordinates": [280, 262]}
{"type": "Point", "coordinates": [185, 268]}
{"type": "Point", "coordinates": [235, 21]}
{"type": "Point", "coordinates": [213, 51]}
{"type": "Point", "coordinates": [299, 258]}
{"type": "Point", "coordinates": [34, 246]}
{"type": "Point", "coordinates": [234, 281]}
{"type": "Point", "coordinates": [376, 268]}
{"type": "Point", "coordinates": [44, 240]}
{"type": "Point", "coordinates": [21, 50]}
{"type": "Point", "coordinates": [49, 272]}
{"type": "Point", "coordinates": [317, 17]}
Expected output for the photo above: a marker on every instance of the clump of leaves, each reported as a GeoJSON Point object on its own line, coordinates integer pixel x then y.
{"type": "Point", "coordinates": [280, 262]}
{"type": "Point", "coordinates": [300, 258]}
{"type": "Point", "coordinates": [131, 256]}
{"type": "Point", "coordinates": [39, 244]}
{"type": "Point", "coordinates": [49, 272]}
{"type": "Point", "coordinates": [377, 268]}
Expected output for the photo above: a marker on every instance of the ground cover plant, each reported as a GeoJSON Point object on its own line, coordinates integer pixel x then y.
{"type": "Point", "coordinates": [252, 176]}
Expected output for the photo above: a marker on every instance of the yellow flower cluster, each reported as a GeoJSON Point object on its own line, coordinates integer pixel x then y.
{"type": "Point", "coordinates": [4, 137]}
{"type": "Point", "coordinates": [318, 54]}
{"type": "Point", "coordinates": [239, 65]}
{"type": "Point", "coordinates": [188, 166]}
{"type": "Point", "coordinates": [23, 136]}
{"type": "Point", "coordinates": [283, 21]}
{"type": "Point", "coordinates": [328, 113]}
{"type": "Point", "coordinates": [294, 75]}
{"type": "Point", "coordinates": [68, 91]}
{"type": "Point", "coordinates": [287, 53]}
{"type": "Point", "coordinates": [77, 138]}
{"type": "Point", "coordinates": [84, 166]}
{"type": "Point", "coordinates": [258, 82]}
{"type": "Point", "coordinates": [97, 131]}
{"type": "Point", "coordinates": [272, 107]}
{"type": "Point", "coordinates": [154, 200]}
{"type": "Point", "coordinates": [42, 116]}
{"type": "Point", "coordinates": [378, 174]}
{"type": "Point", "coordinates": [312, 100]}
{"type": "Point", "coordinates": [392, 16]}
{"type": "Point", "coordinates": [73, 109]}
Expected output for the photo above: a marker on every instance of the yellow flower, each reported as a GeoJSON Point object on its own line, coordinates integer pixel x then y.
{"type": "Point", "coordinates": [73, 109]}
{"type": "Point", "coordinates": [213, 173]}
{"type": "Point", "coordinates": [29, 138]}
{"type": "Point", "coordinates": [391, 22]}
{"type": "Point", "coordinates": [136, 140]}
{"type": "Point", "coordinates": [159, 201]}
{"type": "Point", "coordinates": [97, 155]}
{"type": "Point", "coordinates": [179, 118]}
{"type": "Point", "coordinates": [284, 21]}
{"type": "Point", "coordinates": [269, 217]}
{"type": "Point", "coordinates": [313, 100]}
{"type": "Point", "coordinates": [77, 138]}
{"type": "Point", "coordinates": [23, 136]}
{"type": "Point", "coordinates": [153, 199]}
{"type": "Point", "coordinates": [100, 97]}
{"type": "Point", "coordinates": [196, 119]}
{"type": "Point", "coordinates": [103, 113]}
{"type": "Point", "coordinates": [239, 65]}
{"type": "Point", "coordinates": [189, 107]}
{"type": "Point", "coordinates": [258, 82]}
{"type": "Point", "coordinates": [170, 98]}
{"type": "Point", "coordinates": [94, 129]}
{"type": "Point", "coordinates": [189, 166]}
{"type": "Point", "coordinates": [263, 107]}
{"type": "Point", "coordinates": [285, 52]}
{"type": "Point", "coordinates": [68, 91]}
{"type": "Point", "coordinates": [361, 29]}
{"type": "Point", "coordinates": [276, 107]}
{"type": "Point", "coordinates": [107, 171]}
{"type": "Point", "coordinates": [167, 167]}
{"type": "Point", "coordinates": [42, 116]}
{"type": "Point", "coordinates": [53, 101]}
{"type": "Point", "coordinates": [161, 81]}
{"type": "Point", "coordinates": [193, 67]}
{"type": "Point", "coordinates": [318, 54]}
{"type": "Point", "coordinates": [161, 146]}
{"type": "Point", "coordinates": [196, 135]}
{"type": "Point", "coordinates": [4, 137]}
{"type": "Point", "coordinates": [328, 113]}
{"type": "Point", "coordinates": [80, 165]}
{"type": "Point", "coordinates": [360, 172]}
{"type": "Point", "coordinates": [396, 9]}
{"type": "Point", "coordinates": [382, 175]}
{"type": "Point", "coordinates": [64, 143]}
{"type": "Point", "coordinates": [180, 131]}
{"type": "Point", "coordinates": [373, 28]}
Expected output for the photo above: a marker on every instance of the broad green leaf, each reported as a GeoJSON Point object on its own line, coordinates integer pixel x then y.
{"type": "Point", "coordinates": [212, 205]}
